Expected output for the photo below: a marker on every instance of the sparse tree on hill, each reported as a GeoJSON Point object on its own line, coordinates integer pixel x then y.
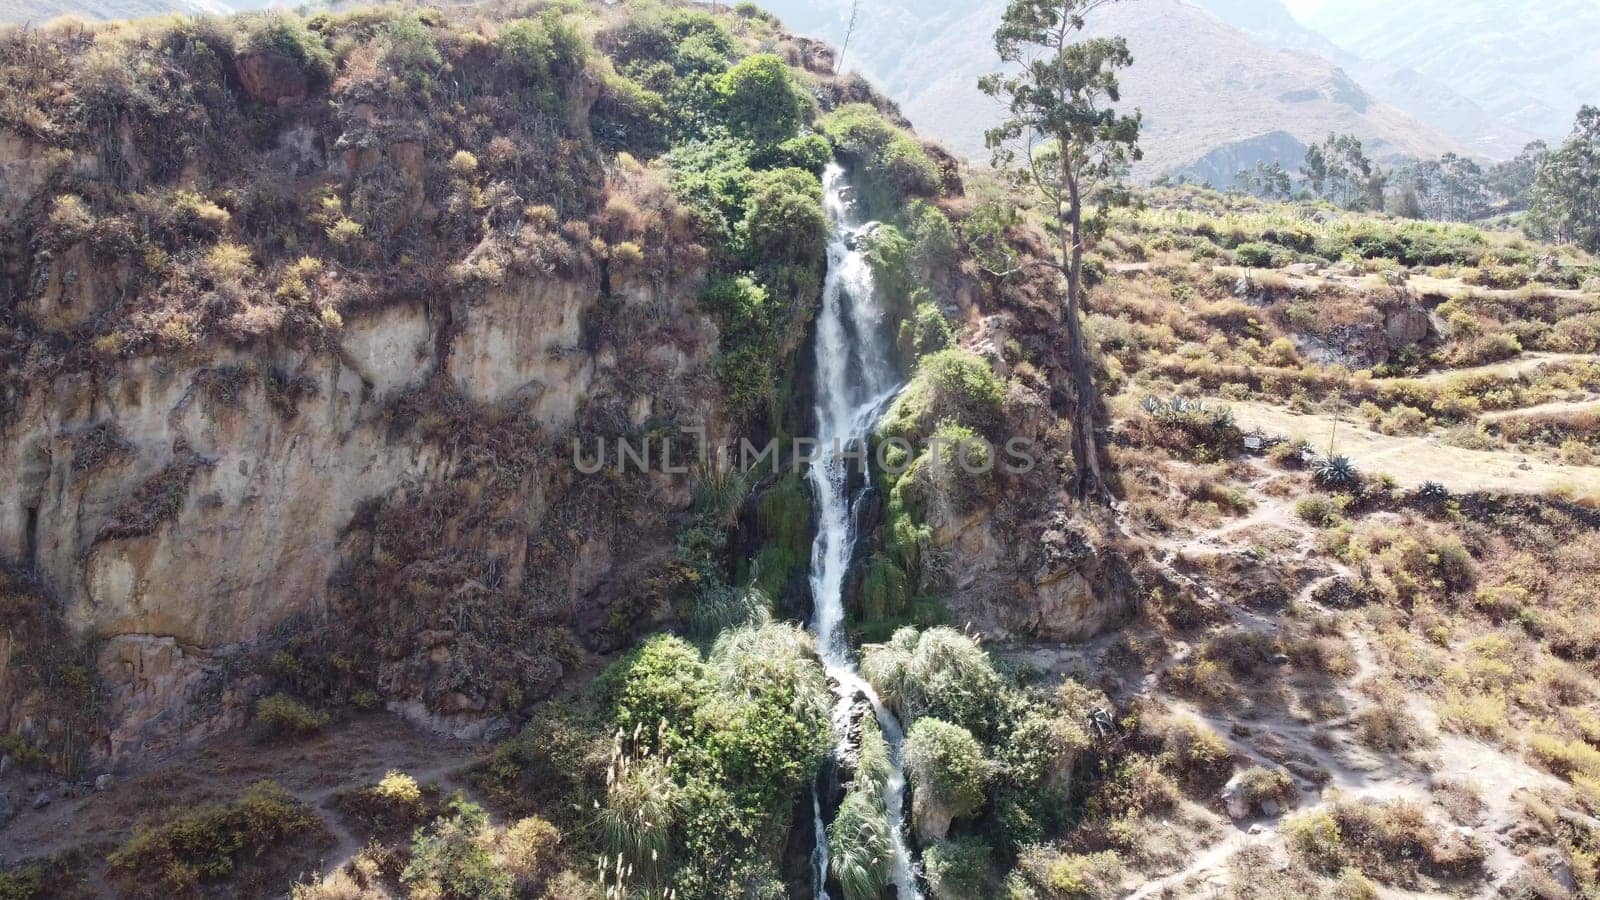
{"type": "Point", "coordinates": [1270, 181]}
{"type": "Point", "coordinates": [1338, 170]}
{"type": "Point", "coordinates": [1063, 135]}
{"type": "Point", "coordinates": [1566, 192]}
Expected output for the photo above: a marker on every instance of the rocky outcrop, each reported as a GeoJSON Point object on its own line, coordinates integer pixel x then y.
{"type": "Point", "coordinates": [221, 515]}
{"type": "Point", "coordinates": [271, 78]}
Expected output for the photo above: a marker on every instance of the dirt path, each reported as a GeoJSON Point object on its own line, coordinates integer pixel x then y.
{"type": "Point", "coordinates": [350, 754]}
{"type": "Point", "coordinates": [1591, 404]}
{"type": "Point", "coordinates": [1518, 365]}
{"type": "Point", "coordinates": [1332, 745]}
{"type": "Point", "coordinates": [1413, 460]}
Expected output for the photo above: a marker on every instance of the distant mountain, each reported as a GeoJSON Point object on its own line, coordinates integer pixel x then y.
{"type": "Point", "coordinates": [1271, 23]}
{"type": "Point", "coordinates": [1429, 100]}
{"type": "Point", "coordinates": [1530, 64]}
{"type": "Point", "coordinates": [1212, 96]}
{"type": "Point", "coordinates": [38, 12]}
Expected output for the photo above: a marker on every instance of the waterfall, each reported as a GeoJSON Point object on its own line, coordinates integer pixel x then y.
{"type": "Point", "coordinates": [856, 377]}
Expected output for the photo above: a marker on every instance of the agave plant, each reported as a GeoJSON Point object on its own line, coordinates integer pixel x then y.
{"type": "Point", "coordinates": [1433, 492]}
{"type": "Point", "coordinates": [1336, 471]}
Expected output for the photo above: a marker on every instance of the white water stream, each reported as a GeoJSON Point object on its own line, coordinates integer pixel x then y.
{"type": "Point", "coordinates": [855, 379]}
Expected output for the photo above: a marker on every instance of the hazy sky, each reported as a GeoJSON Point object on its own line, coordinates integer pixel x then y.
{"type": "Point", "coordinates": [1300, 7]}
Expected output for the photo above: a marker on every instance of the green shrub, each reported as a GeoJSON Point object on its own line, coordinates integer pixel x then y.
{"type": "Point", "coordinates": [807, 151]}
{"type": "Point", "coordinates": [450, 860]}
{"type": "Point", "coordinates": [1314, 836]}
{"type": "Point", "coordinates": [925, 331]}
{"type": "Point", "coordinates": [1320, 510]}
{"type": "Point", "coordinates": [937, 672]}
{"type": "Point", "coordinates": [410, 51]}
{"type": "Point", "coordinates": [544, 55]}
{"type": "Point", "coordinates": [1071, 876]}
{"type": "Point", "coordinates": [955, 385]}
{"type": "Point", "coordinates": [760, 100]}
{"type": "Point", "coordinates": [946, 768]}
{"type": "Point", "coordinates": [895, 166]}
{"type": "Point", "coordinates": [285, 34]}
{"type": "Point", "coordinates": [206, 843]}
{"type": "Point", "coordinates": [23, 883]}
{"type": "Point", "coordinates": [885, 590]}
{"type": "Point", "coordinates": [859, 847]}
{"type": "Point", "coordinates": [783, 219]}
{"type": "Point", "coordinates": [1257, 255]}
{"type": "Point", "coordinates": [740, 731]}
{"type": "Point", "coordinates": [1259, 784]}
{"type": "Point", "coordinates": [281, 715]}
{"type": "Point", "coordinates": [959, 869]}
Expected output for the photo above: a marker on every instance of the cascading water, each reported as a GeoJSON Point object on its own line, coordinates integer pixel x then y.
{"type": "Point", "coordinates": [856, 377]}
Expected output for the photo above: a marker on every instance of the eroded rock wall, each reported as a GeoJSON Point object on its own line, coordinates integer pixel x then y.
{"type": "Point", "coordinates": [184, 510]}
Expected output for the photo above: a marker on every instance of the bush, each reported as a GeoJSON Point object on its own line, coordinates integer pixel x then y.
{"type": "Point", "coordinates": [783, 219]}
{"type": "Point", "coordinates": [207, 843]}
{"type": "Point", "coordinates": [527, 850]}
{"type": "Point", "coordinates": [807, 151]}
{"type": "Point", "coordinates": [1321, 511]}
{"type": "Point", "coordinates": [895, 167]}
{"type": "Point", "coordinates": [286, 35]}
{"type": "Point", "coordinates": [410, 51]}
{"type": "Point", "coordinates": [937, 672]}
{"type": "Point", "coordinates": [449, 859]}
{"type": "Point", "coordinates": [1314, 837]}
{"type": "Point", "coordinates": [1257, 255]}
{"type": "Point", "coordinates": [1259, 784]}
{"type": "Point", "coordinates": [959, 869]}
{"type": "Point", "coordinates": [544, 55]}
{"type": "Point", "coordinates": [925, 331]}
{"type": "Point", "coordinates": [740, 732]}
{"type": "Point", "coordinates": [281, 715]}
{"type": "Point", "coordinates": [955, 385]}
{"type": "Point", "coordinates": [760, 100]}
{"type": "Point", "coordinates": [1055, 875]}
{"type": "Point", "coordinates": [945, 766]}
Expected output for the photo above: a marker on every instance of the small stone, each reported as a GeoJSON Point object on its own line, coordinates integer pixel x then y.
{"type": "Point", "coordinates": [1257, 828]}
{"type": "Point", "coordinates": [104, 782]}
{"type": "Point", "coordinates": [42, 799]}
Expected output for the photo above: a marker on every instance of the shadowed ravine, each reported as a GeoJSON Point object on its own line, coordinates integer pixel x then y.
{"type": "Point", "coordinates": [856, 376]}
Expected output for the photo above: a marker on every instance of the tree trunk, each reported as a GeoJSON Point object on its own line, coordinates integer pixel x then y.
{"type": "Point", "coordinates": [1085, 448]}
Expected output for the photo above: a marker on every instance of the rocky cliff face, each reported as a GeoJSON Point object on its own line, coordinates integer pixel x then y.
{"type": "Point", "coordinates": [184, 510]}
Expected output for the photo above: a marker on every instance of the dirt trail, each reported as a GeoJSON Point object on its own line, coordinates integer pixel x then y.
{"type": "Point", "coordinates": [1517, 365]}
{"type": "Point", "coordinates": [1413, 460]}
{"type": "Point", "coordinates": [354, 753]}
{"type": "Point", "coordinates": [1333, 744]}
{"type": "Point", "coordinates": [1591, 404]}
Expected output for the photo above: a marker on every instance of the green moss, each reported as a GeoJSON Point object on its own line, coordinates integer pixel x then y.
{"type": "Point", "coordinates": [885, 590]}
{"type": "Point", "coordinates": [783, 515]}
{"type": "Point", "coordinates": [906, 536]}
